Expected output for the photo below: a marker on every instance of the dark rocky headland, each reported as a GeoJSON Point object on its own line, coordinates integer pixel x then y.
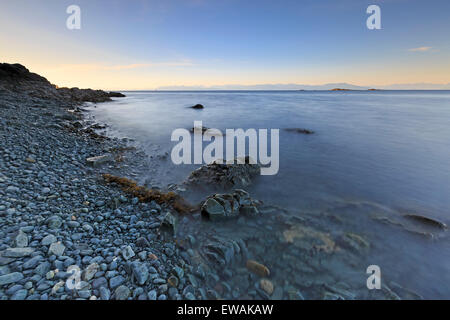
{"type": "Point", "coordinates": [71, 212]}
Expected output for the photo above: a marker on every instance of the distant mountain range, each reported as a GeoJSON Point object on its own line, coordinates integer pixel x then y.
{"type": "Point", "coordinates": [328, 86]}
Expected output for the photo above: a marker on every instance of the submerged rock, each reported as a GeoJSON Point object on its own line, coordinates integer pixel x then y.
{"type": "Point", "coordinates": [222, 251]}
{"type": "Point", "coordinates": [353, 242]}
{"type": "Point", "coordinates": [258, 268]}
{"type": "Point", "coordinates": [427, 221]}
{"type": "Point", "coordinates": [309, 238]}
{"type": "Point", "coordinates": [299, 130]}
{"type": "Point", "coordinates": [196, 129]}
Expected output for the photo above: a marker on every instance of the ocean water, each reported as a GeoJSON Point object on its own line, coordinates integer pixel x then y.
{"type": "Point", "coordinates": [389, 149]}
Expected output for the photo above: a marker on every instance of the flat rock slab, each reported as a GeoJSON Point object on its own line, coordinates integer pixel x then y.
{"type": "Point", "coordinates": [17, 252]}
{"type": "Point", "coordinates": [99, 160]}
{"type": "Point", "coordinates": [10, 278]}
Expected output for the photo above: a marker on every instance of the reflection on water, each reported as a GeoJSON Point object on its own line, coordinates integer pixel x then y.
{"type": "Point", "coordinates": [374, 157]}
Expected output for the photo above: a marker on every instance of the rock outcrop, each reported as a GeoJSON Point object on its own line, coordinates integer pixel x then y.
{"type": "Point", "coordinates": [225, 175]}
{"type": "Point", "coordinates": [18, 79]}
{"type": "Point", "coordinates": [229, 205]}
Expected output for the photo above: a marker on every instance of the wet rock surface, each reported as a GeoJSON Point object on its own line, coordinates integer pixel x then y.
{"type": "Point", "coordinates": [231, 205]}
{"type": "Point", "coordinates": [225, 175]}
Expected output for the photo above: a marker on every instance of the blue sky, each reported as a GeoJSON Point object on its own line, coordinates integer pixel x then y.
{"type": "Point", "coordinates": [148, 44]}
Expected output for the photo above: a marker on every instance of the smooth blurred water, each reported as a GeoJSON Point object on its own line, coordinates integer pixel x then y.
{"type": "Point", "coordinates": [390, 147]}
{"type": "Point", "coordinates": [387, 148]}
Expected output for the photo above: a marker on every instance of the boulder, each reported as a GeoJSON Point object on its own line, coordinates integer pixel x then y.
{"type": "Point", "coordinates": [237, 174]}
{"type": "Point", "coordinates": [226, 206]}
{"type": "Point", "coordinates": [169, 224]}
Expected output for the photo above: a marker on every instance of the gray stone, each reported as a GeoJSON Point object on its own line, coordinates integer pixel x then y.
{"type": "Point", "coordinates": [140, 272]}
{"type": "Point", "coordinates": [116, 281]}
{"type": "Point", "coordinates": [99, 160]}
{"type": "Point", "coordinates": [21, 240]}
{"type": "Point", "coordinates": [20, 295]}
{"type": "Point", "coordinates": [169, 224]}
{"type": "Point", "coordinates": [32, 262]}
{"type": "Point", "coordinates": [73, 224]}
{"type": "Point", "coordinates": [122, 293]}
{"type": "Point", "coordinates": [90, 271]}
{"type": "Point", "coordinates": [54, 222]}
{"type": "Point", "coordinates": [17, 252]}
{"type": "Point", "coordinates": [152, 295]}
{"type": "Point", "coordinates": [57, 248]}
{"type": "Point", "coordinates": [189, 296]}
{"type": "Point", "coordinates": [127, 253]}
{"type": "Point", "coordinates": [48, 240]}
{"type": "Point", "coordinates": [42, 269]}
{"type": "Point", "coordinates": [12, 189]}
{"type": "Point", "coordinates": [10, 278]}
{"type": "Point", "coordinates": [45, 190]}
{"type": "Point", "coordinates": [179, 272]}
{"type": "Point", "coordinates": [105, 294]}
{"type": "Point", "coordinates": [85, 294]}
{"type": "Point", "coordinates": [142, 242]}
{"type": "Point", "coordinates": [99, 282]}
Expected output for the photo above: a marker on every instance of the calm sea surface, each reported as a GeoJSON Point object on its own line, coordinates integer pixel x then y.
{"type": "Point", "coordinates": [390, 148]}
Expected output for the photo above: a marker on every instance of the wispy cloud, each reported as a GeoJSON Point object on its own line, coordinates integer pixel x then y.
{"type": "Point", "coordinates": [420, 49]}
{"type": "Point", "coordinates": [95, 66]}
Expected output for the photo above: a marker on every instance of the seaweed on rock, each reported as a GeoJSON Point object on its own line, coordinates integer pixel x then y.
{"type": "Point", "coordinates": [146, 195]}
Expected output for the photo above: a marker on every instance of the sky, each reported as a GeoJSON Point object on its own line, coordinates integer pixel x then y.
{"type": "Point", "coordinates": [138, 45]}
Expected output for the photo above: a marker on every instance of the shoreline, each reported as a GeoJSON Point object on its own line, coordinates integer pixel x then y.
{"type": "Point", "coordinates": [58, 210]}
